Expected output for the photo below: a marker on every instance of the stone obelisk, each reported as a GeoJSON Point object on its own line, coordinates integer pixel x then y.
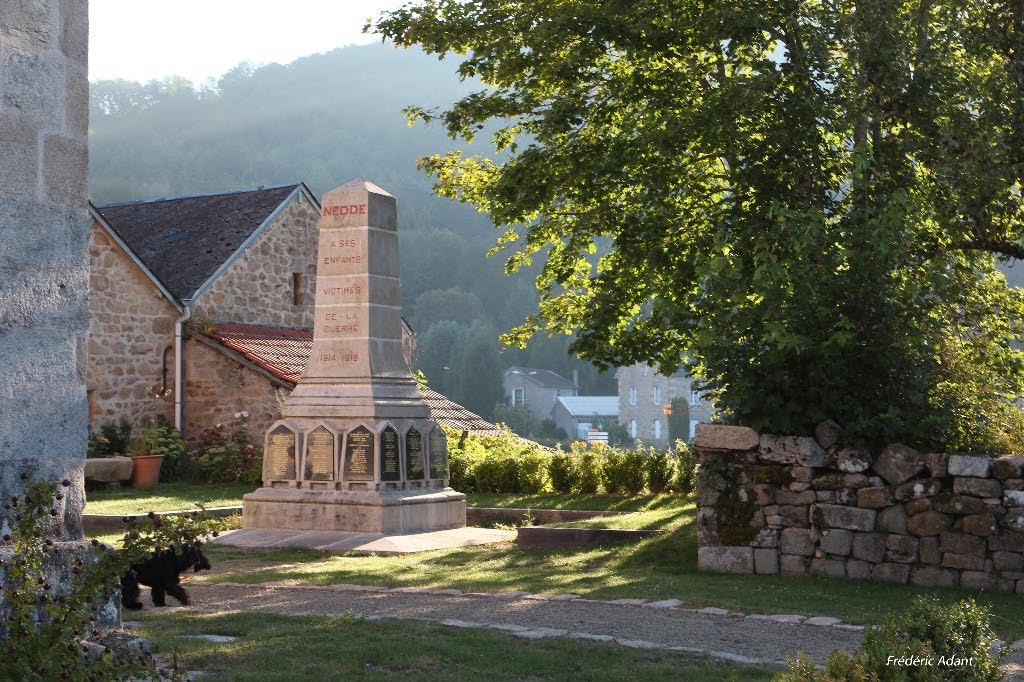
{"type": "Point", "coordinates": [356, 449]}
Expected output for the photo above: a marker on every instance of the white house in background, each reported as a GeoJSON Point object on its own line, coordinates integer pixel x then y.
{"type": "Point", "coordinates": [576, 415]}
{"type": "Point", "coordinates": [644, 396]}
{"type": "Point", "coordinates": [536, 389]}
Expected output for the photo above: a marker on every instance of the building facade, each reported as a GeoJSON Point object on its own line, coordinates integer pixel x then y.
{"type": "Point", "coordinates": [536, 389]}
{"type": "Point", "coordinates": [645, 396]}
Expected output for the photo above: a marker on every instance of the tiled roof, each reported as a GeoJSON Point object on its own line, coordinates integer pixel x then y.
{"type": "Point", "coordinates": [284, 353]}
{"type": "Point", "coordinates": [183, 241]}
{"type": "Point", "coordinates": [545, 377]}
{"type": "Point", "coordinates": [589, 405]}
{"type": "Point", "coordinates": [453, 415]}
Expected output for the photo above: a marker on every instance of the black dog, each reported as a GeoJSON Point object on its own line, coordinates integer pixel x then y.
{"type": "Point", "coordinates": [161, 573]}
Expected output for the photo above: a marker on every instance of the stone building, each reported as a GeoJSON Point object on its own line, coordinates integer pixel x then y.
{"type": "Point", "coordinates": [644, 396]}
{"type": "Point", "coordinates": [201, 309]}
{"type": "Point", "coordinates": [536, 389]}
{"type": "Point", "coordinates": [163, 269]}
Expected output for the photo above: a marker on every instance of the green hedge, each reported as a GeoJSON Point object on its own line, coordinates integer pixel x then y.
{"type": "Point", "coordinates": [507, 464]}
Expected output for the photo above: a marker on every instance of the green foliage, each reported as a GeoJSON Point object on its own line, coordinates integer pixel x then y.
{"type": "Point", "coordinates": [686, 468]}
{"type": "Point", "coordinates": [43, 621]}
{"type": "Point", "coordinates": [510, 465]}
{"type": "Point", "coordinates": [112, 440]}
{"type": "Point", "coordinates": [679, 420]}
{"type": "Point", "coordinates": [225, 455]}
{"type": "Point", "coordinates": [587, 467]}
{"type": "Point", "coordinates": [162, 439]}
{"type": "Point", "coordinates": [953, 643]}
{"type": "Point", "coordinates": [802, 204]}
{"type": "Point", "coordinates": [561, 472]}
{"type": "Point", "coordinates": [624, 471]}
{"type": "Point", "coordinates": [661, 469]}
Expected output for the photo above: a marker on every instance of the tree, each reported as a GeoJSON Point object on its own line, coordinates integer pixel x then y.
{"type": "Point", "coordinates": [804, 201]}
{"type": "Point", "coordinates": [679, 420]}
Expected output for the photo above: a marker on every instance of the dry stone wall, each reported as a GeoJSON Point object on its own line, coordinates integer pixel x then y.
{"type": "Point", "coordinates": [794, 505]}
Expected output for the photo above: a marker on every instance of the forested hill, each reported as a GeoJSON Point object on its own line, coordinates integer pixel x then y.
{"type": "Point", "coordinates": [326, 119]}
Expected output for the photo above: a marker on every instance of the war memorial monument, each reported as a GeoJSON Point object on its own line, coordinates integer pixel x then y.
{"type": "Point", "coordinates": [356, 449]}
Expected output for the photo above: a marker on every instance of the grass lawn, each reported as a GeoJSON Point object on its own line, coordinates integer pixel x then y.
{"type": "Point", "coordinates": [657, 568]}
{"type": "Point", "coordinates": [272, 647]}
{"type": "Point", "coordinates": [164, 497]}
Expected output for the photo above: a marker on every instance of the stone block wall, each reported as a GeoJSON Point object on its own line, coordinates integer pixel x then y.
{"type": "Point", "coordinates": [813, 505]}
{"type": "Point", "coordinates": [44, 268]}
{"type": "Point", "coordinates": [259, 288]}
{"type": "Point", "coordinates": [130, 328]}
{"type": "Point", "coordinates": [218, 387]}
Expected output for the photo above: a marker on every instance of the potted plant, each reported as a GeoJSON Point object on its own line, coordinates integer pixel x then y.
{"type": "Point", "coordinates": [146, 458]}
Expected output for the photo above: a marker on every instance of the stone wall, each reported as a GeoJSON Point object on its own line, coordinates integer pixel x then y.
{"type": "Point", "coordinates": [813, 505]}
{"type": "Point", "coordinates": [218, 387]}
{"type": "Point", "coordinates": [258, 288]}
{"type": "Point", "coordinates": [130, 327]}
{"type": "Point", "coordinates": [44, 268]}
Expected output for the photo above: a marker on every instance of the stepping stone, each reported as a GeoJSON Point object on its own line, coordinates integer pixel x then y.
{"type": "Point", "coordinates": [849, 628]}
{"type": "Point", "coordinates": [592, 637]}
{"type": "Point", "coordinates": [539, 597]}
{"type": "Point", "coordinates": [508, 627]}
{"type": "Point", "coordinates": [353, 588]}
{"type": "Point", "coordinates": [565, 597]}
{"type": "Point", "coordinates": [630, 602]}
{"type": "Point", "coordinates": [780, 618]}
{"type": "Point", "coordinates": [212, 638]}
{"type": "Point", "coordinates": [664, 604]}
{"type": "Point", "coordinates": [449, 592]}
{"type": "Point", "coordinates": [714, 611]}
{"type": "Point", "coordinates": [410, 590]}
{"type": "Point", "coordinates": [461, 623]}
{"type": "Point", "coordinates": [514, 594]}
{"type": "Point", "coordinates": [823, 621]}
{"type": "Point", "coordinates": [637, 644]}
{"type": "Point", "coordinates": [540, 633]}
{"type": "Point", "coordinates": [736, 658]}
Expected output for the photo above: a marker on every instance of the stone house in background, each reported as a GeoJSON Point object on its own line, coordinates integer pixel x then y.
{"type": "Point", "coordinates": [201, 308]}
{"type": "Point", "coordinates": [577, 415]}
{"type": "Point", "coordinates": [643, 397]}
{"type": "Point", "coordinates": [536, 389]}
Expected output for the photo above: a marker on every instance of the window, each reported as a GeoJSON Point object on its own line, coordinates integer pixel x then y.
{"type": "Point", "coordinates": [518, 397]}
{"type": "Point", "coordinates": [657, 395]}
{"type": "Point", "coordinates": [657, 429]}
{"type": "Point", "coordinates": [693, 429]}
{"type": "Point", "coordinates": [647, 370]}
{"type": "Point", "coordinates": [298, 288]}
{"type": "Point", "coordinates": [632, 395]}
{"type": "Point", "coordinates": [694, 397]}
{"type": "Point", "coordinates": [632, 428]}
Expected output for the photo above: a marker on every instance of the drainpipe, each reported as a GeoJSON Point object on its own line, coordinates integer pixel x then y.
{"type": "Point", "coordinates": [186, 313]}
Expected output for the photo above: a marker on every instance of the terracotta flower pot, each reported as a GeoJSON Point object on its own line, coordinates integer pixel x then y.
{"type": "Point", "coordinates": [146, 470]}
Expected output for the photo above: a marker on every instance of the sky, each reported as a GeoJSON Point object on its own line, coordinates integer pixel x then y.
{"type": "Point", "coordinates": [200, 39]}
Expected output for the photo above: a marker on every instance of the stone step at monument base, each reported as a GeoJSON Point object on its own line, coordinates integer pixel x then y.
{"type": "Point", "coordinates": [342, 542]}
{"type": "Point", "coordinates": [400, 511]}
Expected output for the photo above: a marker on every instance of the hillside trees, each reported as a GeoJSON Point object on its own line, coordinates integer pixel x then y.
{"type": "Point", "coordinates": [806, 200]}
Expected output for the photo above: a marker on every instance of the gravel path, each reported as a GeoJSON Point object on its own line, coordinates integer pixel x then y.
{"type": "Point", "coordinates": [658, 625]}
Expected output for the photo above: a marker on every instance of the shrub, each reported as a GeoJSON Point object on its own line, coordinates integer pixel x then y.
{"type": "Point", "coordinates": [661, 469]}
{"type": "Point", "coordinates": [686, 468]}
{"type": "Point", "coordinates": [928, 629]}
{"type": "Point", "coordinates": [225, 455]}
{"type": "Point", "coordinates": [587, 469]}
{"type": "Point", "coordinates": [624, 471]}
{"type": "Point", "coordinates": [113, 439]}
{"type": "Point", "coordinates": [42, 624]}
{"type": "Point", "coordinates": [562, 472]}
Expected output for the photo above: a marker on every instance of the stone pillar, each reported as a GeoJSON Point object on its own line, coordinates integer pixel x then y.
{"type": "Point", "coordinates": [44, 266]}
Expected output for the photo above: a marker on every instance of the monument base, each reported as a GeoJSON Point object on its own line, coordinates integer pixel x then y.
{"type": "Point", "coordinates": [361, 511]}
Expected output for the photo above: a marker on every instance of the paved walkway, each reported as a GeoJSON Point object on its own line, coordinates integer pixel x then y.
{"type": "Point", "coordinates": [364, 543]}
{"type": "Point", "coordinates": [716, 633]}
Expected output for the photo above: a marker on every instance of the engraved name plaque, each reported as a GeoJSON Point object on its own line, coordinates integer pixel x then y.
{"type": "Point", "coordinates": [359, 455]}
{"type": "Point", "coordinates": [389, 456]}
{"type": "Point", "coordinates": [319, 460]}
